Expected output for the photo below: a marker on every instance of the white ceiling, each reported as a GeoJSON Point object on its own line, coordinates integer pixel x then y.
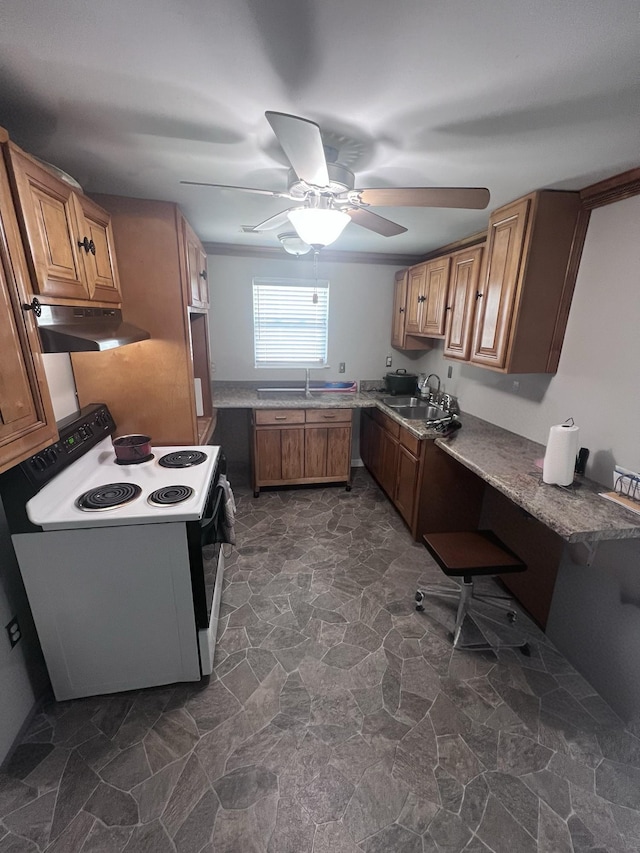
{"type": "Point", "coordinates": [132, 97]}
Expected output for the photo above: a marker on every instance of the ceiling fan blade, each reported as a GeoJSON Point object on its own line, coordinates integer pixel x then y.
{"type": "Point", "coordinates": [271, 193]}
{"type": "Point", "coordinates": [301, 142]}
{"type": "Point", "coordinates": [276, 221]}
{"type": "Point", "coordinates": [370, 220]}
{"type": "Point", "coordinates": [470, 197]}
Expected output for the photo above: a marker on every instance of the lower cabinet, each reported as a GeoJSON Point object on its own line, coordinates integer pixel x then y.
{"type": "Point", "coordinates": [431, 491]}
{"type": "Point", "coordinates": [298, 446]}
{"type": "Point", "coordinates": [395, 458]}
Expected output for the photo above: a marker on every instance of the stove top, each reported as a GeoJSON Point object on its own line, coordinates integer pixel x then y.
{"type": "Point", "coordinates": [160, 494]}
{"type": "Point", "coordinates": [111, 496]}
{"type": "Point", "coordinates": [182, 459]}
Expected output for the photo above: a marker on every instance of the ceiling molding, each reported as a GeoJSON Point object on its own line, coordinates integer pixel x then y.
{"type": "Point", "coordinates": [476, 239]}
{"type": "Point", "coordinates": [617, 188]}
{"type": "Point", "coordinates": [326, 255]}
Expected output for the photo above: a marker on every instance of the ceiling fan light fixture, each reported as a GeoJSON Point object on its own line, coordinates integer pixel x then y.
{"type": "Point", "coordinates": [293, 244]}
{"type": "Point", "coordinates": [318, 226]}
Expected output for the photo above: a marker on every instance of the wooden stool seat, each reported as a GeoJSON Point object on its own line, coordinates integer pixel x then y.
{"type": "Point", "coordinates": [473, 552]}
{"type": "Point", "coordinates": [466, 554]}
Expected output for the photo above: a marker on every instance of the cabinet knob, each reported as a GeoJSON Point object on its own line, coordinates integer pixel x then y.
{"type": "Point", "coordinates": [203, 274]}
{"type": "Point", "coordinates": [34, 306]}
{"type": "Point", "coordinates": [88, 245]}
{"type": "Point", "coordinates": [478, 295]}
{"type": "Point", "coordinates": [422, 298]}
{"type": "Point", "coordinates": [402, 310]}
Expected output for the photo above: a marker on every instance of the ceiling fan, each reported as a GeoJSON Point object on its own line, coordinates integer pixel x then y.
{"type": "Point", "coordinates": [324, 191]}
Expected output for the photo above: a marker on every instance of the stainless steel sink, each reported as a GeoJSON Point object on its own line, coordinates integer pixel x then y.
{"type": "Point", "coordinates": [399, 402]}
{"type": "Point", "coordinates": [299, 394]}
{"type": "Point", "coordinates": [415, 409]}
{"type": "Point", "coordinates": [281, 394]}
{"type": "Point", "coordinates": [427, 414]}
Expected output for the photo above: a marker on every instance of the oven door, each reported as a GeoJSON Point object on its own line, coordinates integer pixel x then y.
{"type": "Point", "coordinates": [206, 562]}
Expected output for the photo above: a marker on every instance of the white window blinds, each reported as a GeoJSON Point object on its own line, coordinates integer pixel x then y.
{"type": "Point", "coordinates": [290, 320]}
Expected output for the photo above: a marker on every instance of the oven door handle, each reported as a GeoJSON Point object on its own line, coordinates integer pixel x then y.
{"type": "Point", "coordinates": [207, 522]}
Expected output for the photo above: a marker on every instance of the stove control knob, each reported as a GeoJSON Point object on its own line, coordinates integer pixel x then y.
{"type": "Point", "coordinates": [38, 463]}
{"type": "Point", "coordinates": [50, 456]}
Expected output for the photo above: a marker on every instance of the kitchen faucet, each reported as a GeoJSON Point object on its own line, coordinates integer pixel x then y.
{"type": "Point", "coordinates": [428, 387]}
{"type": "Point", "coordinates": [307, 379]}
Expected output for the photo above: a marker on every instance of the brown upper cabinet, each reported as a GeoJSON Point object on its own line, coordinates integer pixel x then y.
{"type": "Point", "coordinates": [196, 268]}
{"type": "Point", "coordinates": [68, 238]}
{"type": "Point", "coordinates": [427, 298]}
{"type": "Point", "coordinates": [399, 337]}
{"type": "Point", "coordinates": [27, 422]}
{"type": "Point", "coordinates": [506, 306]}
{"type": "Point", "coordinates": [463, 287]}
{"type": "Point", "coordinates": [527, 283]}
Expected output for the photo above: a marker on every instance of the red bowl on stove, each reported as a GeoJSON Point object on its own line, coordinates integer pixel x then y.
{"type": "Point", "coordinates": [131, 448]}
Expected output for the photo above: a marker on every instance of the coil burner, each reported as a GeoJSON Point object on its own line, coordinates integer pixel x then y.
{"type": "Point", "coordinates": [170, 495]}
{"type": "Point", "coordinates": [182, 459]}
{"type": "Point", "coordinates": [111, 496]}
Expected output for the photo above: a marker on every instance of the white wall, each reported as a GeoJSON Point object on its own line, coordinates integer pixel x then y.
{"type": "Point", "coordinates": [360, 304]}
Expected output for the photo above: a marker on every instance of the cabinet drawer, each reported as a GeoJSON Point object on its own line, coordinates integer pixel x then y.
{"type": "Point", "coordinates": [410, 441]}
{"type": "Point", "coordinates": [386, 422]}
{"type": "Point", "coordinates": [321, 416]}
{"type": "Point", "coordinates": [279, 416]}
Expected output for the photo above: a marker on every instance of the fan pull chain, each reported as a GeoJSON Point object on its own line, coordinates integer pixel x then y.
{"type": "Point", "coordinates": [315, 273]}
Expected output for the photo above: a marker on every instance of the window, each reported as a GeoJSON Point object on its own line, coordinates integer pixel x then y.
{"type": "Point", "coordinates": [290, 319]}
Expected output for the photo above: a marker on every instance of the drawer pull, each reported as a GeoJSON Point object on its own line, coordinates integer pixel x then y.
{"type": "Point", "coordinates": [329, 417]}
{"type": "Point", "coordinates": [280, 417]}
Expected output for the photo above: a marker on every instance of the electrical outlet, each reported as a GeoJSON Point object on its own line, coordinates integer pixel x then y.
{"type": "Point", "coordinates": [341, 367]}
{"type": "Point", "coordinates": [14, 632]}
{"type": "Point", "coordinates": [213, 367]}
{"type": "Point", "coordinates": [516, 386]}
{"type": "Point", "coordinates": [388, 361]}
{"type": "Point", "coordinates": [449, 372]}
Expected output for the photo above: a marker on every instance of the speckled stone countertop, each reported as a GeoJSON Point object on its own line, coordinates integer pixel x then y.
{"type": "Point", "coordinates": [507, 462]}
{"type": "Point", "coordinates": [227, 395]}
{"type": "Point", "coordinates": [503, 459]}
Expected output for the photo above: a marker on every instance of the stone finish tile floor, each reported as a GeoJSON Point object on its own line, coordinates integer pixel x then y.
{"type": "Point", "coordinates": [338, 720]}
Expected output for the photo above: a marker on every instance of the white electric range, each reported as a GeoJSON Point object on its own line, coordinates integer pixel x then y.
{"type": "Point", "coordinates": [123, 586]}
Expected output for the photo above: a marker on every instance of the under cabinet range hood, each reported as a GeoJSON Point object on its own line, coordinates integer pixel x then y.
{"type": "Point", "coordinates": [70, 328]}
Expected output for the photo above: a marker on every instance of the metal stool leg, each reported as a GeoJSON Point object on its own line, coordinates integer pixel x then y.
{"type": "Point", "coordinates": [466, 594]}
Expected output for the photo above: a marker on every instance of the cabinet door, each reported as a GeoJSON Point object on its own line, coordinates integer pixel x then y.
{"type": "Point", "coordinates": [366, 428]}
{"type": "Point", "coordinates": [463, 286]}
{"type": "Point", "coordinates": [316, 441]}
{"type": "Point", "coordinates": [372, 433]}
{"type": "Point", "coordinates": [97, 252]}
{"type": "Point", "coordinates": [388, 462]}
{"type": "Point", "coordinates": [279, 454]}
{"type": "Point", "coordinates": [415, 299]}
{"type": "Point", "coordinates": [292, 451]}
{"type": "Point", "coordinates": [26, 417]}
{"type": "Point", "coordinates": [49, 220]}
{"type": "Point", "coordinates": [406, 493]}
{"type": "Point", "coordinates": [497, 290]}
{"type": "Point", "coordinates": [432, 321]}
{"type": "Point", "coordinates": [196, 269]}
{"type": "Point", "coordinates": [399, 309]}
{"type": "Point", "coordinates": [339, 452]}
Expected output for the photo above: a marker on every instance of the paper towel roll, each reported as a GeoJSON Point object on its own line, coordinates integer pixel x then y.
{"type": "Point", "coordinates": [560, 456]}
